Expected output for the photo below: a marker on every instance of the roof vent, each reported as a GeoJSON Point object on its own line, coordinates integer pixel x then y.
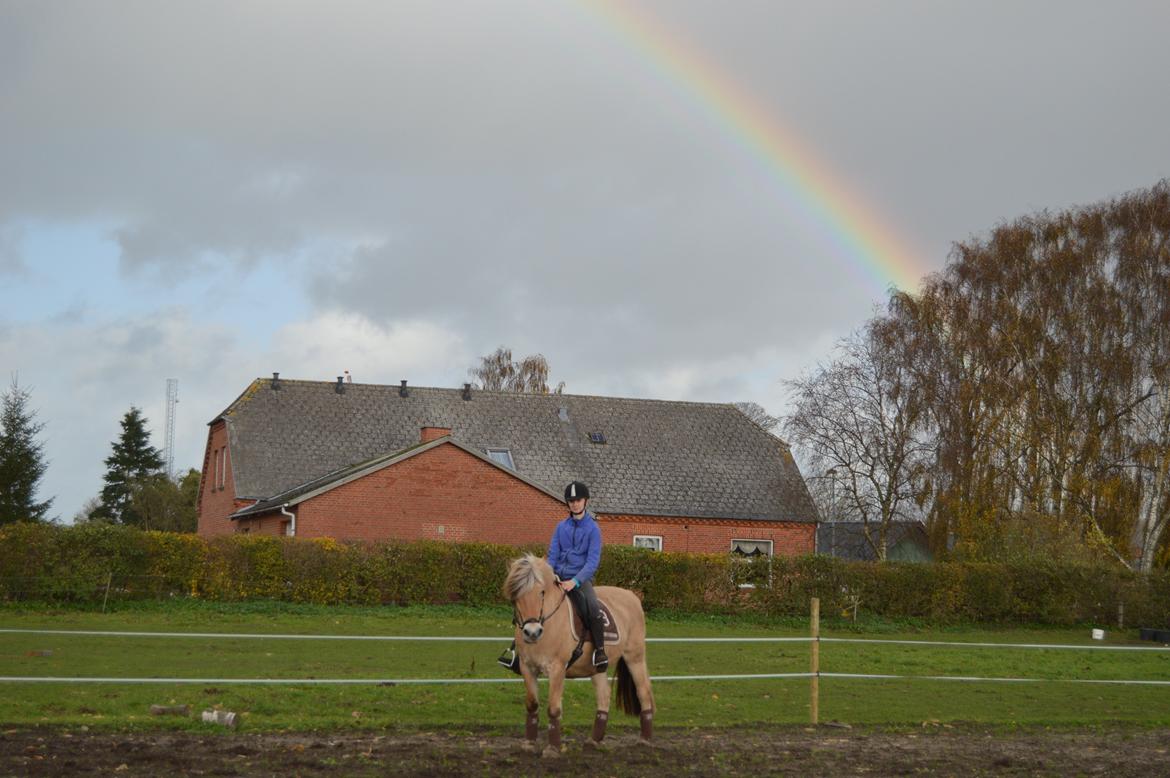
{"type": "Point", "coordinates": [467, 391]}
{"type": "Point", "coordinates": [402, 392]}
{"type": "Point", "coordinates": [596, 437]}
{"type": "Point", "coordinates": [340, 388]}
{"type": "Point", "coordinates": [275, 382]}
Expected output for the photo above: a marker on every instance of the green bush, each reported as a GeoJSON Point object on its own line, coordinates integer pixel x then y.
{"type": "Point", "coordinates": [93, 561]}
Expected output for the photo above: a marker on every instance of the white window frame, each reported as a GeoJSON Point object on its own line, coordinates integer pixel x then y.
{"type": "Point", "coordinates": [743, 558]}
{"type": "Point", "coordinates": [510, 464]}
{"type": "Point", "coordinates": [657, 538]}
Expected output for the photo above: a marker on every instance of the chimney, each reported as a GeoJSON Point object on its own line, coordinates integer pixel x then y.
{"type": "Point", "coordinates": [402, 389]}
{"type": "Point", "coordinates": [275, 382]}
{"type": "Point", "coordinates": [432, 433]}
{"type": "Point", "coordinates": [348, 377]}
{"type": "Point", "coordinates": [340, 388]}
{"type": "Point", "coordinates": [467, 391]}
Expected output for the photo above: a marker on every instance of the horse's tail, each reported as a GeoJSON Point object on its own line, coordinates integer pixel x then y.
{"type": "Point", "coordinates": [627, 691]}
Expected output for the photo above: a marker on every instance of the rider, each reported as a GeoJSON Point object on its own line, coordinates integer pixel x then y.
{"type": "Point", "coordinates": [574, 553]}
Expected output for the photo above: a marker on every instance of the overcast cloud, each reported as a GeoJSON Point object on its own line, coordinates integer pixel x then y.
{"type": "Point", "coordinates": [215, 191]}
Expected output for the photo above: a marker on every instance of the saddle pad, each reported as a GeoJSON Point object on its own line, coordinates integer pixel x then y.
{"type": "Point", "coordinates": [608, 623]}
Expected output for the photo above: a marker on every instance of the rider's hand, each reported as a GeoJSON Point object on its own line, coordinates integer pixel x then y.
{"type": "Point", "coordinates": [569, 585]}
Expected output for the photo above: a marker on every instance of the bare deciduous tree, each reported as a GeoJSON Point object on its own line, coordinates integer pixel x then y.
{"type": "Point", "coordinates": [757, 414]}
{"type": "Point", "coordinates": [854, 422]}
{"type": "Point", "coordinates": [497, 372]}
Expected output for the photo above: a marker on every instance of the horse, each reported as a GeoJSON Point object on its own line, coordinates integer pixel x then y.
{"type": "Point", "coordinates": [542, 614]}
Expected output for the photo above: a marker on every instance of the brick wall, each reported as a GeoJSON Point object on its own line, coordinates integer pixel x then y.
{"type": "Point", "coordinates": [709, 536]}
{"type": "Point", "coordinates": [441, 494]}
{"type": "Point", "coordinates": [269, 524]}
{"type": "Point", "coordinates": [217, 488]}
{"type": "Point", "coordinates": [447, 494]}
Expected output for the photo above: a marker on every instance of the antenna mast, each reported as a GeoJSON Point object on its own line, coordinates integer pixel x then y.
{"type": "Point", "coordinates": [169, 447]}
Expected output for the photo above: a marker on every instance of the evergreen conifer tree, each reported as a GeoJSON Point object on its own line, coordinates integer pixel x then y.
{"type": "Point", "coordinates": [132, 461]}
{"type": "Point", "coordinates": [22, 460]}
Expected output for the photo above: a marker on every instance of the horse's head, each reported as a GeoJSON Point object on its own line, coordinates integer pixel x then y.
{"type": "Point", "coordinates": [529, 584]}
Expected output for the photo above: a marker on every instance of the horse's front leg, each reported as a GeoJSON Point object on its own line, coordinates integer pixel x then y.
{"type": "Point", "coordinates": [556, 691]}
{"type": "Point", "coordinates": [532, 706]}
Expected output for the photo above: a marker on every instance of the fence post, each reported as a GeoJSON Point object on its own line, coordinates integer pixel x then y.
{"type": "Point", "coordinates": [109, 580]}
{"type": "Point", "coordinates": [815, 649]}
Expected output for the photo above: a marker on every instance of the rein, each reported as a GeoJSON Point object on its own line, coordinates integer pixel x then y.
{"type": "Point", "coordinates": [543, 617]}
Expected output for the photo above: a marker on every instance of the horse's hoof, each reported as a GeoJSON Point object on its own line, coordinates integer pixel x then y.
{"type": "Point", "coordinates": [647, 742]}
{"type": "Point", "coordinates": [594, 745]}
{"type": "Point", "coordinates": [528, 746]}
{"type": "Point", "coordinates": [552, 752]}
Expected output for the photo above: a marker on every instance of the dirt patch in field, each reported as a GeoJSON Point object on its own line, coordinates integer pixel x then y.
{"type": "Point", "coordinates": [826, 750]}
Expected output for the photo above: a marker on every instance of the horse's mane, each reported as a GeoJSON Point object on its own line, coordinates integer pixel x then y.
{"type": "Point", "coordinates": [522, 576]}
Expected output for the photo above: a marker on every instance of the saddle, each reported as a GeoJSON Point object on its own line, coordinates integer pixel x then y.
{"type": "Point", "coordinates": [580, 629]}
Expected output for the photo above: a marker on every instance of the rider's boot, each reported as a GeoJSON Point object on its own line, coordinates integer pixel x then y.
{"type": "Point", "coordinates": [510, 659]}
{"type": "Point", "coordinates": [600, 660]}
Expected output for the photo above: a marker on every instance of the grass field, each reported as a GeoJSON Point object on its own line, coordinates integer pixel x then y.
{"type": "Point", "coordinates": [701, 703]}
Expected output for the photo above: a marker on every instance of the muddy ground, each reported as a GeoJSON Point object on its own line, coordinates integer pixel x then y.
{"type": "Point", "coordinates": [826, 750]}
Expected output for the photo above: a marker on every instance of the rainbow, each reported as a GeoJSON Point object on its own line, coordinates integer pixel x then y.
{"type": "Point", "coordinates": [840, 219]}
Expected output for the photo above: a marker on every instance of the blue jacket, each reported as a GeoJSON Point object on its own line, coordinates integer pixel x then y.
{"type": "Point", "coordinates": [575, 548]}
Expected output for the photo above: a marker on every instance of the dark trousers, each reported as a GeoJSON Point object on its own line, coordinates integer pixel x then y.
{"type": "Point", "coordinates": [585, 601]}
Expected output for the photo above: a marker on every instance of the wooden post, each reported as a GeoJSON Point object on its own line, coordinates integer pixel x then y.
{"type": "Point", "coordinates": [815, 650]}
{"type": "Point", "coordinates": [109, 580]}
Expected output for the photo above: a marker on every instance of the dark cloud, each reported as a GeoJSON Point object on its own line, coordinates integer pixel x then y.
{"type": "Point", "coordinates": [445, 178]}
{"type": "Point", "coordinates": [238, 133]}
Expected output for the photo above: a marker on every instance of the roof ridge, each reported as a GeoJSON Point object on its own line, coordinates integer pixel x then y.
{"type": "Point", "coordinates": [500, 392]}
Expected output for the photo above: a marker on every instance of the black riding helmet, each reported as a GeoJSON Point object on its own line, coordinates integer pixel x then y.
{"type": "Point", "coordinates": [576, 491]}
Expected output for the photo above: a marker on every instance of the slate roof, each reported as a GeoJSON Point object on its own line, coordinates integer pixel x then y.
{"type": "Point", "coordinates": [664, 458]}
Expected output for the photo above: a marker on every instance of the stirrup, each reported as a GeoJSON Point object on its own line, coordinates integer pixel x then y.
{"type": "Point", "coordinates": [511, 660]}
{"type": "Point", "coordinates": [600, 660]}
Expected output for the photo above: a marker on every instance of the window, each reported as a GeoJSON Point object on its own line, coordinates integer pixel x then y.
{"type": "Point", "coordinates": [501, 456]}
{"type": "Point", "coordinates": [223, 469]}
{"type": "Point", "coordinates": [751, 548]}
{"type": "Point", "coordinates": [652, 542]}
{"type": "Point", "coordinates": [748, 574]}
{"type": "Point", "coordinates": [597, 437]}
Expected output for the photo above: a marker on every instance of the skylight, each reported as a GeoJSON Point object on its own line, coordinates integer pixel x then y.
{"type": "Point", "coordinates": [597, 437]}
{"type": "Point", "coordinates": [501, 456]}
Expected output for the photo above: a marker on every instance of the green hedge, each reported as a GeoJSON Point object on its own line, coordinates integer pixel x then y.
{"type": "Point", "coordinates": [87, 563]}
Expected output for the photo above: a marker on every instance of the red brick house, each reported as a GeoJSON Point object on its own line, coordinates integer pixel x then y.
{"type": "Point", "coordinates": [366, 461]}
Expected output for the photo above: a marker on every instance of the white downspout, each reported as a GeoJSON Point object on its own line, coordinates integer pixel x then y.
{"type": "Point", "coordinates": [292, 520]}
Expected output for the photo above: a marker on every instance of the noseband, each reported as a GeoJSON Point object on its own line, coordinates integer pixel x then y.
{"type": "Point", "coordinates": [533, 619]}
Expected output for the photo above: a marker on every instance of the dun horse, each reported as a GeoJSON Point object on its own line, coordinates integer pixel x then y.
{"type": "Point", "coordinates": [543, 616]}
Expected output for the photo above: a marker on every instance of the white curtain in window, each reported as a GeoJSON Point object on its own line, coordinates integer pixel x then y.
{"type": "Point", "coordinates": [751, 547]}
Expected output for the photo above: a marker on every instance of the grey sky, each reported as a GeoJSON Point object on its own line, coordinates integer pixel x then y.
{"type": "Point", "coordinates": [213, 191]}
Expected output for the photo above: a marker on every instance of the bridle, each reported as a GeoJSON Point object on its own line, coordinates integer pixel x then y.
{"type": "Point", "coordinates": [534, 619]}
